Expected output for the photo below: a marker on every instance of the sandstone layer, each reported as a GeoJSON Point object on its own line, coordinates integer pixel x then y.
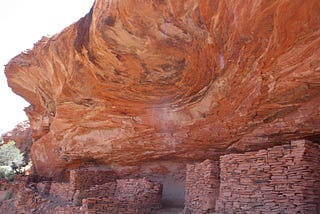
{"type": "Point", "coordinates": [136, 81]}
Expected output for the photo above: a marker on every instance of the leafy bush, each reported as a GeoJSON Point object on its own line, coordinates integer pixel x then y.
{"type": "Point", "coordinates": [11, 160]}
{"type": "Point", "coordinates": [6, 172]}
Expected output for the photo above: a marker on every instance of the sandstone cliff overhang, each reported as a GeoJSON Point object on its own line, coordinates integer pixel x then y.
{"type": "Point", "coordinates": [137, 81]}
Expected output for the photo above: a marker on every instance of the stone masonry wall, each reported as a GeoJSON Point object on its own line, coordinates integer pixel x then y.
{"type": "Point", "coordinates": [202, 186]}
{"type": "Point", "coordinates": [311, 178]}
{"type": "Point", "coordinates": [281, 179]}
{"type": "Point", "coordinates": [83, 183]}
{"type": "Point", "coordinates": [113, 205]}
{"type": "Point", "coordinates": [119, 196]}
{"type": "Point", "coordinates": [66, 210]}
{"type": "Point", "coordinates": [84, 178]}
{"type": "Point", "coordinates": [139, 190]}
{"type": "Point", "coordinates": [131, 196]}
{"type": "Point", "coordinates": [106, 190]}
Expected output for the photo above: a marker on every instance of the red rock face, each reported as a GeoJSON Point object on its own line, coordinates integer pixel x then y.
{"type": "Point", "coordinates": [136, 81]}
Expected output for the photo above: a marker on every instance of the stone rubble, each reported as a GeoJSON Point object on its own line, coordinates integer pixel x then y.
{"type": "Point", "coordinates": [28, 200]}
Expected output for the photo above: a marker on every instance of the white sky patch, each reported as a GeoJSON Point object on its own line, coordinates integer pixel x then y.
{"type": "Point", "coordinates": [22, 24]}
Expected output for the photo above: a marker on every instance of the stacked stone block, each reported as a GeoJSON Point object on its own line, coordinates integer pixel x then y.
{"type": "Point", "coordinates": [66, 210]}
{"type": "Point", "coordinates": [142, 192]}
{"type": "Point", "coordinates": [112, 205]}
{"type": "Point", "coordinates": [131, 196]}
{"type": "Point", "coordinates": [281, 179]}
{"type": "Point", "coordinates": [99, 191]}
{"type": "Point", "coordinates": [202, 186]}
{"type": "Point", "coordinates": [84, 178]}
{"type": "Point", "coordinates": [311, 178]}
{"type": "Point", "coordinates": [91, 181]}
{"type": "Point", "coordinates": [117, 196]}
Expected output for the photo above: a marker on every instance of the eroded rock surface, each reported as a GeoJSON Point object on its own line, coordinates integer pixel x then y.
{"type": "Point", "coordinates": [136, 81]}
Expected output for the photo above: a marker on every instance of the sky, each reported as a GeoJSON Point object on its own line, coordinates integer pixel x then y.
{"type": "Point", "coordinates": [23, 23]}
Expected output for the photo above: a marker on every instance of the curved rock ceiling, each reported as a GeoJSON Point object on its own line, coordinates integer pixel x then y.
{"type": "Point", "coordinates": [136, 81]}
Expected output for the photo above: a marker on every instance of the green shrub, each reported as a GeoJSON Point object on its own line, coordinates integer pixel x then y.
{"type": "Point", "coordinates": [11, 160]}
{"type": "Point", "coordinates": [10, 155]}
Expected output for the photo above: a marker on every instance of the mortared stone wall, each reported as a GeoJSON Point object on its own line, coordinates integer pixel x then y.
{"type": "Point", "coordinates": [202, 186]}
{"type": "Point", "coordinates": [131, 196]}
{"type": "Point", "coordinates": [281, 179]}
